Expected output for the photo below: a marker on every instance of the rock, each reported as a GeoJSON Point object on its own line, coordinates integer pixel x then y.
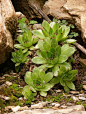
{"type": "Point", "coordinates": [15, 109]}
{"type": "Point", "coordinates": [23, 108]}
{"type": "Point", "coordinates": [8, 108]}
{"type": "Point", "coordinates": [69, 110]}
{"type": "Point", "coordinates": [72, 10]}
{"type": "Point", "coordinates": [5, 97]}
{"type": "Point", "coordinates": [84, 82]}
{"type": "Point", "coordinates": [74, 92]}
{"type": "Point", "coordinates": [58, 91]}
{"type": "Point", "coordinates": [39, 105]}
{"type": "Point", "coordinates": [78, 112]}
{"type": "Point", "coordinates": [84, 86]}
{"type": "Point", "coordinates": [63, 106]}
{"type": "Point", "coordinates": [82, 98]}
{"type": "Point", "coordinates": [37, 26]}
{"type": "Point", "coordinates": [56, 105]}
{"type": "Point", "coordinates": [75, 98]}
{"type": "Point", "coordinates": [26, 9]}
{"type": "Point", "coordinates": [8, 24]}
{"type": "Point", "coordinates": [8, 83]}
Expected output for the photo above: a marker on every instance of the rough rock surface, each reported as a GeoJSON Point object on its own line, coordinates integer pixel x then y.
{"type": "Point", "coordinates": [8, 24]}
{"type": "Point", "coordinates": [24, 8]}
{"type": "Point", "coordinates": [72, 10]}
{"type": "Point", "coordinates": [72, 110]}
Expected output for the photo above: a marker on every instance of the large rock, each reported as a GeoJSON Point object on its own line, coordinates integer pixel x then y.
{"type": "Point", "coordinates": [72, 10]}
{"type": "Point", "coordinates": [8, 24]}
{"type": "Point", "coordinates": [26, 9]}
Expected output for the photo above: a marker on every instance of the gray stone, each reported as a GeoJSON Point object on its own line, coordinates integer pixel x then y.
{"type": "Point", "coordinates": [74, 92]}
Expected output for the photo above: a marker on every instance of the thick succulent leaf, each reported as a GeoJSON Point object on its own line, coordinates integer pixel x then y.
{"type": "Point", "coordinates": [59, 37]}
{"type": "Point", "coordinates": [25, 50]}
{"type": "Point", "coordinates": [55, 60]}
{"type": "Point", "coordinates": [67, 51]}
{"type": "Point", "coordinates": [14, 54]}
{"type": "Point", "coordinates": [55, 27]}
{"type": "Point", "coordinates": [46, 46]}
{"type": "Point", "coordinates": [62, 82]}
{"type": "Point", "coordinates": [20, 39]}
{"type": "Point", "coordinates": [67, 30]}
{"type": "Point", "coordinates": [67, 66]}
{"type": "Point", "coordinates": [34, 76]}
{"type": "Point", "coordinates": [47, 87]}
{"type": "Point", "coordinates": [35, 40]}
{"type": "Point", "coordinates": [44, 67]}
{"type": "Point", "coordinates": [40, 44]}
{"type": "Point", "coordinates": [38, 52]}
{"type": "Point", "coordinates": [71, 41]}
{"type": "Point", "coordinates": [46, 25]}
{"type": "Point", "coordinates": [62, 58]}
{"type": "Point", "coordinates": [44, 54]}
{"type": "Point", "coordinates": [13, 60]}
{"type": "Point", "coordinates": [31, 88]}
{"type": "Point", "coordinates": [46, 34]}
{"type": "Point", "coordinates": [19, 46]}
{"type": "Point", "coordinates": [55, 70]}
{"type": "Point", "coordinates": [24, 59]}
{"type": "Point", "coordinates": [39, 33]}
{"type": "Point", "coordinates": [43, 93]}
{"type": "Point", "coordinates": [55, 80]}
{"type": "Point", "coordinates": [64, 47]}
{"type": "Point", "coordinates": [73, 72]}
{"type": "Point", "coordinates": [39, 60]}
{"type": "Point", "coordinates": [28, 78]}
{"type": "Point", "coordinates": [70, 85]}
{"type": "Point", "coordinates": [66, 88]}
{"type": "Point", "coordinates": [36, 70]}
{"type": "Point", "coordinates": [42, 75]}
{"type": "Point", "coordinates": [52, 24]}
{"type": "Point", "coordinates": [26, 92]}
{"type": "Point", "coordinates": [17, 64]}
{"type": "Point", "coordinates": [48, 77]}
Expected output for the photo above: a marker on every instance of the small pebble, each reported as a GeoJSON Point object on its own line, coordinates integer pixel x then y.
{"type": "Point", "coordinates": [63, 106]}
{"type": "Point", "coordinates": [57, 105]}
{"type": "Point", "coordinates": [15, 109]}
{"type": "Point", "coordinates": [82, 98]}
{"type": "Point", "coordinates": [37, 106]}
{"type": "Point", "coordinates": [75, 98]}
{"type": "Point", "coordinates": [74, 92]}
{"type": "Point", "coordinates": [84, 86]}
{"type": "Point", "coordinates": [23, 108]}
{"type": "Point", "coordinates": [84, 82]}
{"type": "Point", "coordinates": [8, 83]}
{"type": "Point", "coordinates": [58, 91]}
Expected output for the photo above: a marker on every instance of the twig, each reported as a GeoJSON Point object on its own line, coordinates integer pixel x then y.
{"type": "Point", "coordinates": [80, 47]}
{"type": "Point", "coordinates": [47, 19]}
{"type": "Point", "coordinates": [40, 12]}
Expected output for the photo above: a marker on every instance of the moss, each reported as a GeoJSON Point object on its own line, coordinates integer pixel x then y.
{"type": "Point", "coordinates": [84, 105]}
{"type": "Point", "coordinates": [13, 98]}
{"type": "Point", "coordinates": [69, 99]}
{"type": "Point", "coordinates": [78, 103]}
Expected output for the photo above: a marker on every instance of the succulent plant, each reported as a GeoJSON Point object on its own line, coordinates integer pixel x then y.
{"type": "Point", "coordinates": [38, 81]}
{"type": "Point", "coordinates": [26, 41]}
{"type": "Point", "coordinates": [19, 57]}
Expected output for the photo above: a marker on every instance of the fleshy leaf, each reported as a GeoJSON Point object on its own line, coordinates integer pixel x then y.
{"type": "Point", "coordinates": [70, 85]}
{"type": "Point", "coordinates": [55, 70]}
{"type": "Point", "coordinates": [39, 34]}
{"type": "Point", "coordinates": [43, 93]}
{"type": "Point", "coordinates": [46, 25]}
{"type": "Point", "coordinates": [48, 77]}
{"type": "Point", "coordinates": [62, 58]}
{"type": "Point", "coordinates": [39, 60]}
{"type": "Point", "coordinates": [28, 78]}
